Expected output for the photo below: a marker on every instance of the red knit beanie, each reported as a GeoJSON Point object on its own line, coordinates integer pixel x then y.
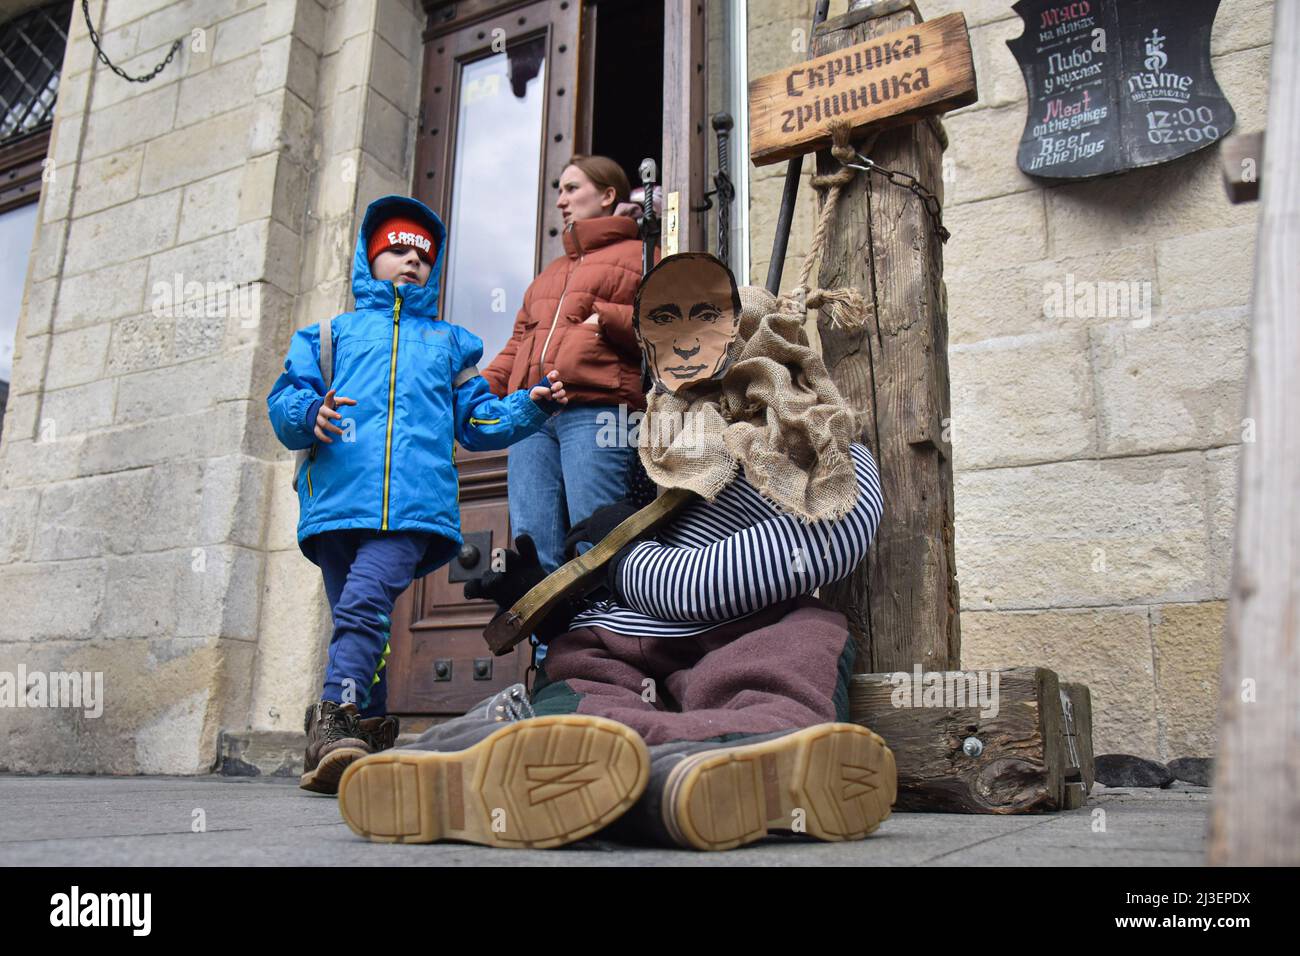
{"type": "Point", "coordinates": [400, 231]}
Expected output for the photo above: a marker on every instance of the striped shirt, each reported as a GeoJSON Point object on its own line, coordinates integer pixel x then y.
{"type": "Point", "coordinates": [724, 560]}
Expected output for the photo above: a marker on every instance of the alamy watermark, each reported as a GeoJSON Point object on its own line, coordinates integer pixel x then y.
{"type": "Point", "coordinates": [38, 689]}
{"type": "Point", "coordinates": [213, 300]}
{"type": "Point", "coordinates": [1099, 299]}
{"type": "Point", "coordinates": [946, 689]}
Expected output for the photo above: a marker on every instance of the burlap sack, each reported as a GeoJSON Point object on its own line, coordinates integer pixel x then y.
{"type": "Point", "coordinates": [776, 414]}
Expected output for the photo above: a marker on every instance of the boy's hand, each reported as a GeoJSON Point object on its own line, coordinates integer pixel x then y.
{"type": "Point", "coordinates": [327, 412]}
{"type": "Point", "coordinates": [554, 392]}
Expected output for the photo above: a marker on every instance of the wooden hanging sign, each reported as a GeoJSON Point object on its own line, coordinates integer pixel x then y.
{"type": "Point", "coordinates": [888, 81]}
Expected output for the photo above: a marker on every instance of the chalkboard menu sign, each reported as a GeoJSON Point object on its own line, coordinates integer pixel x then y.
{"type": "Point", "coordinates": [1117, 84]}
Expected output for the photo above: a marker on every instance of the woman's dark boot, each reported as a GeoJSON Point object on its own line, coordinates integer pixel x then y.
{"type": "Point", "coordinates": [499, 777]}
{"type": "Point", "coordinates": [829, 781]}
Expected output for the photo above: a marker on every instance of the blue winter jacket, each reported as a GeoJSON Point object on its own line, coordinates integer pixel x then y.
{"type": "Point", "coordinates": [394, 468]}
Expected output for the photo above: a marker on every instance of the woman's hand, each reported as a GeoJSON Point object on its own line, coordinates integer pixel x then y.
{"type": "Point", "coordinates": [554, 392]}
{"type": "Point", "coordinates": [327, 412]}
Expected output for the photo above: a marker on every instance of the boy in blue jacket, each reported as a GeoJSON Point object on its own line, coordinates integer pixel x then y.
{"type": "Point", "coordinates": [379, 497]}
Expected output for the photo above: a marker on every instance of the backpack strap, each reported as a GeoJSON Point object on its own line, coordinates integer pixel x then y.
{"type": "Point", "coordinates": [327, 352]}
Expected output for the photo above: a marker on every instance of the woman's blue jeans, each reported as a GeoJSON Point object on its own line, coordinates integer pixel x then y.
{"type": "Point", "coordinates": [559, 475]}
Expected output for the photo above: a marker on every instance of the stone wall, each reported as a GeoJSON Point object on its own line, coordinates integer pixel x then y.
{"type": "Point", "coordinates": [143, 523]}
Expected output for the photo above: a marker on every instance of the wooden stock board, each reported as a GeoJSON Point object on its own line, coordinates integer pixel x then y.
{"type": "Point", "coordinates": [887, 81]}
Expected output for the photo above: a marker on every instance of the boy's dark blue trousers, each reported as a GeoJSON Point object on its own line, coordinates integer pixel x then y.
{"type": "Point", "coordinates": [365, 572]}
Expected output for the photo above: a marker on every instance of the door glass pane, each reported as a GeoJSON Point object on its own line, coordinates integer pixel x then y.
{"type": "Point", "coordinates": [16, 228]}
{"type": "Point", "coordinates": [496, 177]}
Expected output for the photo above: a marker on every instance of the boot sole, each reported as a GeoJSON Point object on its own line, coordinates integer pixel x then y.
{"type": "Point", "coordinates": [833, 782]}
{"type": "Point", "coordinates": [325, 778]}
{"type": "Point", "coordinates": [541, 782]}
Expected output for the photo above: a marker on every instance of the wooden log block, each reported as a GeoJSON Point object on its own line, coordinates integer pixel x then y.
{"type": "Point", "coordinates": [1019, 763]}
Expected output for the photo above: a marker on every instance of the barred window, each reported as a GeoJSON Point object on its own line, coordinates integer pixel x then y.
{"type": "Point", "coordinates": [31, 55]}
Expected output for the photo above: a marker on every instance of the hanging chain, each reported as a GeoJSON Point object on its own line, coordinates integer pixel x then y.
{"type": "Point", "coordinates": [103, 57]}
{"type": "Point", "coordinates": [909, 182]}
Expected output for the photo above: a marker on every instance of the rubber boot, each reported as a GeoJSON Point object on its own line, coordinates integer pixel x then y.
{"type": "Point", "coordinates": [499, 777]}
{"type": "Point", "coordinates": [830, 781]}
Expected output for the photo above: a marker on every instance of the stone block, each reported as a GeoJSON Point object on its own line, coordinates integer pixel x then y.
{"type": "Point", "coordinates": [295, 632]}
{"type": "Point", "coordinates": [239, 35]}
{"type": "Point", "coordinates": [197, 152]}
{"type": "Point", "coordinates": [288, 62]}
{"type": "Point", "coordinates": [210, 206]}
{"type": "Point", "coordinates": [1244, 78]}
{"type": "Point", "coordinates": [1176, 384]}
{"type": "Point", "coordinates": [30, 352]}
{"type": "Point", "coordinates": [1107, 648]}
{"type": "Point", "coordinates": [47, 250]}
{"type": "Point", "coordinates": [1222, 465]}
{"type": "Point", "coordinates": [400, 24]}
{"type": "Point", "coordinates": [217, 90]}
{"type": "Point", "coordinates": [394, 77]}
{"type": "Point", "coordinates": [45, 459]}
{"type": "Point", "coordinates": [140, 342]}
{"type": "Point", "coordinates": [997, 74]}
{"type": "Point", "coordinates": [81, 408]}
{"type": "Point", "coordinates": [108, 180]}
{"type": "Point", "coordinates": [1022, 400]}
{"type": "Point", "coordinates": [77, 356]}
{"type": "Point", "coordinates": [387, 133]}
{"type": "Point", "coordinates": [1083, 533]}
{"type": "Point", "coordinates": [144, 117]}
{"type": "Point", "coordinates": [282, 507]}
{"type": "Point", "coordinates": [95, 297]}
{"type": "Point", "coordinates": [1007, 229]}
{"type": "Point", "coordinates": [1188, 642]}
{"type": "Point", "coordinates": [1242, 24]}
{"type": "Point", "coordinates": [989, 300]}
{"type": "Point", "coordinates": [978, 12]}
{"type": "Point", "coordinates": [218, 592]}
{"type": "Point", "coordinates": [36, 316]}
{"type": "Point", "coordinates": [18, 508]}
{"type": "Point", "coordinates": [134, 229]}
{"type": "Point", "coordinates": [51, 602]}
{"type": "Point", "coordinates": [347, 20]}
{"type": "Point", "coordinates": [177, 438]}
{"type": "Point", "coordinates": [1207, 270]}
{"type": "Point", "coordinates": [981, 157]}
{"type": "Point", "coordinates": [1144, 205]}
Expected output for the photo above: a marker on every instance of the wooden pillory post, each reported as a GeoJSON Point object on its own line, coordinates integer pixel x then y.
{"type": "Point", "coordinates": [889, 75]}
{"type": "Point", "coordinates": [1256, 804]}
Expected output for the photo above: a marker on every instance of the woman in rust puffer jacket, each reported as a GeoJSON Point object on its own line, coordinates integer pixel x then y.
{"type": "Point", "coordinates": [577, 319]}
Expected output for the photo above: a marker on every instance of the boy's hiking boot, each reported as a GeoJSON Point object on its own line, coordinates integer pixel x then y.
{"type": "Point", "coordinates": [499, 777]}
{"type": "Point", "coordinates": [380, 732]}
{"type": "Point", "coordinates": [334, 740]}
{"type": "Point", "coordinates": [830, 781]}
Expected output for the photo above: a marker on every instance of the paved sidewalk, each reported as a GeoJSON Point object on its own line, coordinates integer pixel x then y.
{"type": "Point", "coordinates": [133, 821]}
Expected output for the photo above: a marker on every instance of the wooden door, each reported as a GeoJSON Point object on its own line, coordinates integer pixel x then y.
{"type": "Point", "coordinates": [497, 126]}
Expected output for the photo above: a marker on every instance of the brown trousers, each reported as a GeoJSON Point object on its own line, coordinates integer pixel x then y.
{"type": "Point", "coordinates": [784, 668]}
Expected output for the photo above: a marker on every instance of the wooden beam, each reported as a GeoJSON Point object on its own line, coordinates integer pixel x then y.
{"type": "Point", "coordinates": [902, 602]}
{"type": "Point", "coordinates": [1256, 801]}
{"type": "Point", "coordinates": [685, 142]}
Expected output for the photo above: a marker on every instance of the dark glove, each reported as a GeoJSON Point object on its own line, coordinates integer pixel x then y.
{"type": "Point", "coordinates": [601, 522]}
{"type": "Point", "coordinates": [523, 570]}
